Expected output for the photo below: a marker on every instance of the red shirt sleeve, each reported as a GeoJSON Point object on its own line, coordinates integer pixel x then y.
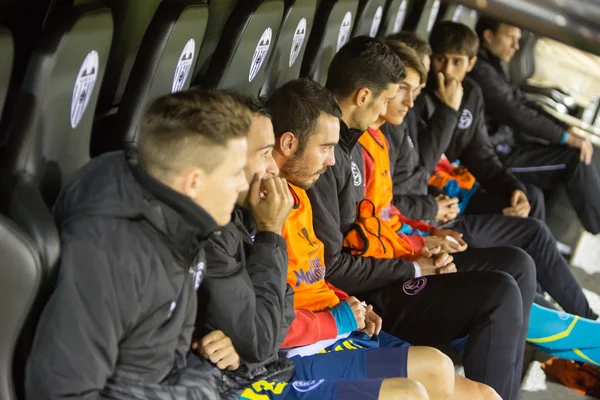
{"type": "Point", "coordinates": [310, 327]}
{"type": "Point", "coordinates": [368, 170]}
{"type": "Point", "coordinates": [419, 225]}
{"type": "Point", "coordinates": [416, 241]}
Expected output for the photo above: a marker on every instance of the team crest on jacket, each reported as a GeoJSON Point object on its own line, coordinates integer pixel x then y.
{"type": "Point", "coordinates": [200, 267]}
{"type": "Point", "coordinates": [262, 48]}
{"type": "Point", "coordinates": [414, 286]}
{"type": "Point", "coordinates": [356, 175]}
{"type": "Point", "coordinates": [466, 119]}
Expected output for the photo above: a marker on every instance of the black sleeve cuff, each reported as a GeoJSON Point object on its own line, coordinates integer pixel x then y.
{"type": "Point", "coordinates": [270, 237]}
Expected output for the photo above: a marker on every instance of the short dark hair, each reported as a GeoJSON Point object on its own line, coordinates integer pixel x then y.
{"type": "Point", "coordinates": [484, 23]}
{"type": "Point", "coordinates": [364, 62]}
{"type": "Point", "coordinates": [296, 107]}
{"type": "Point", "coordinates": [452, 37]}
{"type": "Point", "coordinates": [188, 128]}
{"type": "Point", "coordinates": [409, 57]}
{"type": "Point", "coordinates": [253, 103]}
{"type": "Point", "coordinates": [413, 41]}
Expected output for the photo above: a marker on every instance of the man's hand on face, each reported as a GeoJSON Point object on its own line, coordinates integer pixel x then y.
{"type": "Point", "coordinates": [519, 205]}
{"type": "Point", "coordinates": [270, 201]}
{"type": "Point", "coordinates": [576, 139]}
{"type": "Point", "coordinates": [435, 261]}
{"type": "Point", "coordinates": [451, 92]}
{"type": "Point", "coordinates": [218, 348]}
{"type": "Point", "coordinates": [448, 208]}
{"type": "Point", "coordinates": [448, 240]}
{"type": "Point", "coordinates": [372, 322]}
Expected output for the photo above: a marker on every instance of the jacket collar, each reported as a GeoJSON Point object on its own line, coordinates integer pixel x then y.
{"type": "Point", "coordinates": [184, 215]}
{"type": "Point", "coordinates": [348, 137]}
{"type": "Point", "coordinates": [484, 55]}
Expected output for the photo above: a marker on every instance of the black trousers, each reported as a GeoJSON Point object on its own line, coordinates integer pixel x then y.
{"type": "Point", "coordinates": [484, 202]}
{"type": "Point", "coordinates": [533, 236]}
{"type": "Point", "coordinates": [547, 166]}
{"type": "Point", "coordinates": [486, 305]}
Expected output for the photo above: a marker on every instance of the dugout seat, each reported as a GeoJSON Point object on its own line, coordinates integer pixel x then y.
{"type": "Point", "coordinates": [331, 30]}
{"type": "Point", "coordinates": [166, 58]}
{"type": "Point", "coordinates": [368, 18]}
{"type": "Point", "coordinates": [394, 17]}
{"type": "Point", "coordinates": [246, 42]}
{"type": "Point", "coordinates": [20, 277]}
{"type": "Point", "coordinates": [422, 17]}
{"type": "Point", "coordinates": [290, 45]}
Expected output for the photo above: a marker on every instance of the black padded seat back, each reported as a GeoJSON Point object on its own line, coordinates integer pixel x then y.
{"type": "Point", "coordinates": [331, 30]}
{"type": "Point", "coordinates": [164, 64]}
{"type": "Point", "coordinates": [368, 18]}
{"type": "Point", "coordinates": [131, 21]}
{"type": "Point", "coordinates": [522, 65]}
{"type": "Point", "coordinates": [290, 45]}
{"type": "Point", "coordinates": [461, 14]}
{"type": "Point", "coordinates": [20, 277]}
{"type": "Point", "coordinates": [49, 136]}
{"type": "Point", "coordinates": [422, 17]}
{"type": "Point", "coordinates": [247, 42]}
{"type": "Point", "coordinates": [8, 53]}
{"type": "Point", "coordinates": [219, 12]}
{"type": "Point", "coordinates": [394, 16]}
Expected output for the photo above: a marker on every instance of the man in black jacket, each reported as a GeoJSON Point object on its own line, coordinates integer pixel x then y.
{"type": "Point", "coordinates": [119, 323]}
{"type": "Point", "coordinates": [364, 76]}
{"type": "Point", "coordinates": [539, 149]}
{"type": "Point", "coordinates": [414, 156]}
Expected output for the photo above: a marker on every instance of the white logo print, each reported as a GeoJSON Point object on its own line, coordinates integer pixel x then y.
{"type": "Point", "coordinates": [172, 308]}
{"type": "Point", "coordinates": [84, 87]}
{"type": "Point", "coordinates": [199, 274]}
{"type": "Point", "coordinates": [376, 21]}
{"type": "Point", "coordinates": [457, 14]}
{"type": "Point", "coordinates": [299, 35]}
{"type": "Point", "coordinates": [344, 31]}
{"type": "Point", "coordinates": [400, 17]}
{"type": "Point", "coordinates": [410, 142]}
{"type": "Point", "coordinates": [434, 12]}
{"type": "Point", "coordinates": [184, 65]}
{"type": "Point", "coordinates": [466, 119]}
{"type": "Point", "coordinates": [262, 48]}
{"type": "Point", "coordinates": [356, 175]}
{"type": "Point", "coordinates": [306, 386]}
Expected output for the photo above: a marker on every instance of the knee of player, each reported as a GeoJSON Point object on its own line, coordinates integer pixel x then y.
{"type": "Point", "coordinates": [402, 389]}
{"type": "Point", "coordinates": [524, 264]}
{"type": "Point", "coordinates": [508, 299]}
{"type": "Point", "coordinates": [487, 393]}
{"type": "Point", "coordinates": [440, 375]}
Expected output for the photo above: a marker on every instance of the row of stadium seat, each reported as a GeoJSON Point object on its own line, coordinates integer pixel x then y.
{"type": "Point", "coordinates": [95, 68]}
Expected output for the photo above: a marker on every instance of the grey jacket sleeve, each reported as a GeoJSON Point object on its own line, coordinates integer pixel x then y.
{"type": "Point", "coordinates": [408, 176]}
{"type": "Point", "coordinates": [435, 136]}
{"type": "Point", "coordinates": [77, 339]}
{"type": "Point", "coordinates": [333, 205]}
{"type": "Point", "coordinates": [505, 105]}
{"type": "Point", "coordinates": [250, 303]}
{"type": "Point", "coordinates": [482, 161]}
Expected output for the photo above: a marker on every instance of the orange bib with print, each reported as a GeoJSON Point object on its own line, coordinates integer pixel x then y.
{"type": "Point", "coordinates": [306, 254]}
